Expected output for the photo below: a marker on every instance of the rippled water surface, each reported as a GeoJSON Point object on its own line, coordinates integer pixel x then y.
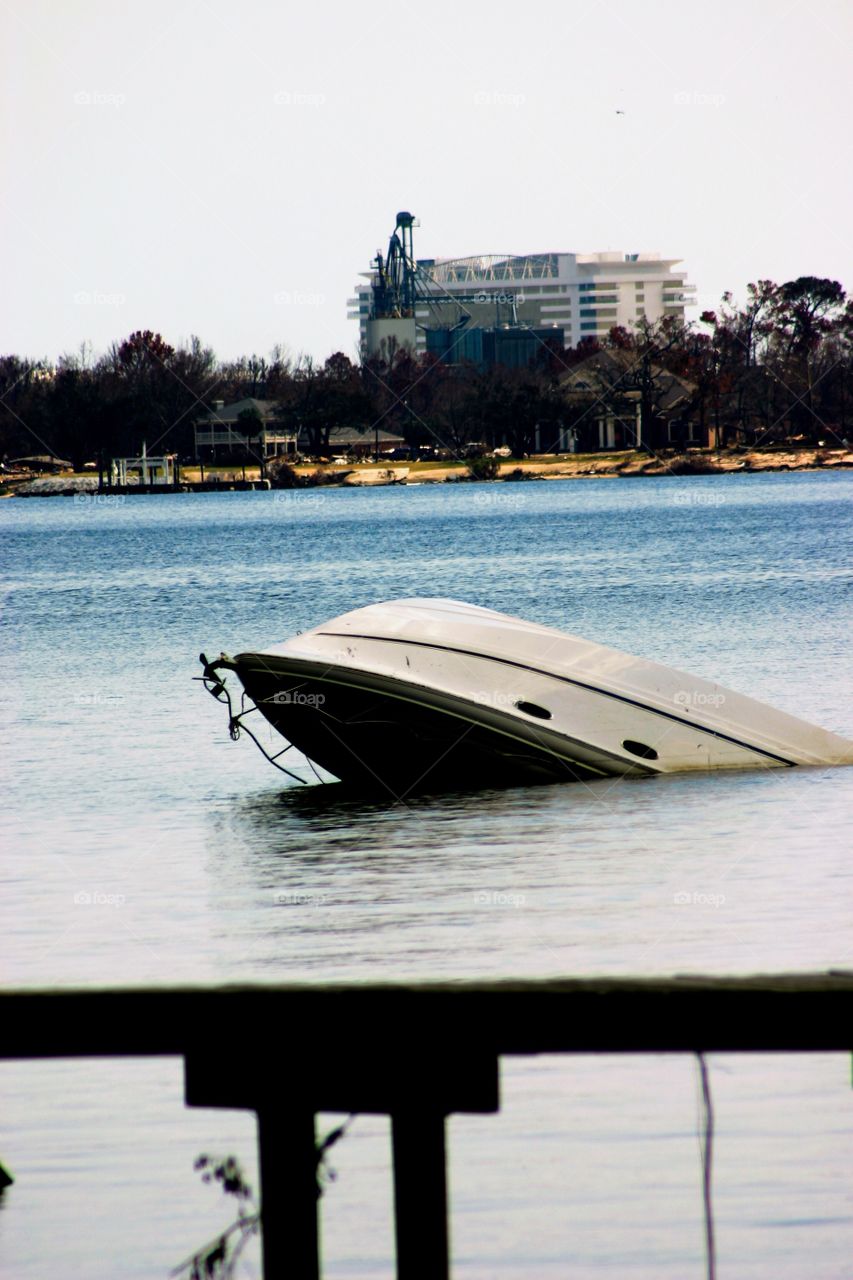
{"type": "Point", "coordinates": [143, 846]}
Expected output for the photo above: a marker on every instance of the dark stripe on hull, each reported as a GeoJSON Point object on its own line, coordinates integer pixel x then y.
{"type": "Point", "coordinates": [580, 684]}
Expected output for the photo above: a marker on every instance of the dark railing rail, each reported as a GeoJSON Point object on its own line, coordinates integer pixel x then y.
{"type": "Point", "coordinates": [417, 1053]}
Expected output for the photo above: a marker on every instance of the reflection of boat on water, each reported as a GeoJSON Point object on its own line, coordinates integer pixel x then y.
{"type": "Point", "coordinates": [434, 694]}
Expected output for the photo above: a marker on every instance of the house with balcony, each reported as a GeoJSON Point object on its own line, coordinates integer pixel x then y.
{"type": "Point", "coordinates": [222, 431]}
{"type": "Point", "coordinates": [605, 396]}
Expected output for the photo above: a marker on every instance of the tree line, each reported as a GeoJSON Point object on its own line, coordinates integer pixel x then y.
{"type": "Point", "coordinates": [778, 367]}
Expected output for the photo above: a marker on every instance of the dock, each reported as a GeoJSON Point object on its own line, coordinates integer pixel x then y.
{"type": "Point", "coordinates": [415, 1052]}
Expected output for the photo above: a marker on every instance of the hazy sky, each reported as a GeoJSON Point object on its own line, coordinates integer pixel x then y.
{"type": "Point", "coordinates": [196, 167]}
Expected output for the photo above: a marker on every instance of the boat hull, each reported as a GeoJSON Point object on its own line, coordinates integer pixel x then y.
{"type": "Point", "coordinates": [379, 733]}
{"type": "Point", "coordinates": [435, 694]}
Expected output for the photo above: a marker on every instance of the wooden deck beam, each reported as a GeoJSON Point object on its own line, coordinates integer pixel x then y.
{"type": "Point", "coordinates": [775, 1012]}
{"type": "Point", "coordinates": [417, 1053]}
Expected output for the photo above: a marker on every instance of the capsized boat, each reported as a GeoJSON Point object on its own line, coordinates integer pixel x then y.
{"type": "Point", "coordinates": [433, 694]}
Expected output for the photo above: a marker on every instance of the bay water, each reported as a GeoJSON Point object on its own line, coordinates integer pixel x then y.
{"type": "Point", "coordinates": [143, 847]}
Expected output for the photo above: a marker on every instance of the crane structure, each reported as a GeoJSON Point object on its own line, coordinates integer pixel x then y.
{"type": "Point", "coordinates": [406, 297]}
{"type": "Point", "coordinates": [394, 278]}
{"type": "Point", "coordinates": [399, 285]}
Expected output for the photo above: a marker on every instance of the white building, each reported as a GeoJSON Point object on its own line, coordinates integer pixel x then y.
{"type": "Point", "coordinates": [584, 294]}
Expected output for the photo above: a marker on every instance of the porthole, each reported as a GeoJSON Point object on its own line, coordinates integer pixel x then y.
{"type": "Point", "coordinates": [640, 749]}
{"type": "Point", "coordinates": [531, 709]}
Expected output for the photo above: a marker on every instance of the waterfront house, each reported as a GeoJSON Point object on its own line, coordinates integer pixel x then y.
{"type": "Point", "coordinates": [354, 443]}
{"type": "Point", "coordinates": [605, 397]}
{"type": "Point", "coordinates": [222, 430]}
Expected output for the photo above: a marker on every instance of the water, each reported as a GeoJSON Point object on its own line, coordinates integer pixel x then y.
{"type": "Point", "coordinates": [123, 788]}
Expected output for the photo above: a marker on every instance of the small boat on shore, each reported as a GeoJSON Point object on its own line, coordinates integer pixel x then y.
{"type": "Point", "coordinates": [433, 694]}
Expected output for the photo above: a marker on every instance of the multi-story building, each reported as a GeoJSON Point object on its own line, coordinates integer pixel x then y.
{"type": "Point", "coordinates": [584, 294]}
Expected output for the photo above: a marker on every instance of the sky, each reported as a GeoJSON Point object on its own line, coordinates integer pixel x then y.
{"type": "Point", "coordinates": [196, 168]}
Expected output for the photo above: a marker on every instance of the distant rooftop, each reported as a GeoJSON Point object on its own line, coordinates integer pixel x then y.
{"type": "Point", "coordinates": [528, 266]}
{"type": "Point", "coordinates": [534, 266]}
{"type": "Point", "coordinates": [231, 412]}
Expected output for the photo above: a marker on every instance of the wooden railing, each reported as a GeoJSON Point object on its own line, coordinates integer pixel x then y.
{"type": "Point", "coordinates": [416, 1053]}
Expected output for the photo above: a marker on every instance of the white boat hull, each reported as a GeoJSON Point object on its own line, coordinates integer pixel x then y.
{"type": "Point", "coordinates": [434, 693]}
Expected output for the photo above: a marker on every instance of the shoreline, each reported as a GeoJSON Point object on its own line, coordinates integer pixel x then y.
{"type": "Point", "coordinates": [538, 467]}
{"type": "Point", "coordinates": [719, 462]}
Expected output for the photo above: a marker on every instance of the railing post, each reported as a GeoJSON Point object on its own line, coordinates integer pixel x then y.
{"type": "Point", "coordinates": [420, 1195]}
{"type": "Point", "coordinates": [417, 1086]}
{"type": "Point", "coordinates": [287, 1158]}
{"type": "Point", "coordinates": [289, 1208]}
